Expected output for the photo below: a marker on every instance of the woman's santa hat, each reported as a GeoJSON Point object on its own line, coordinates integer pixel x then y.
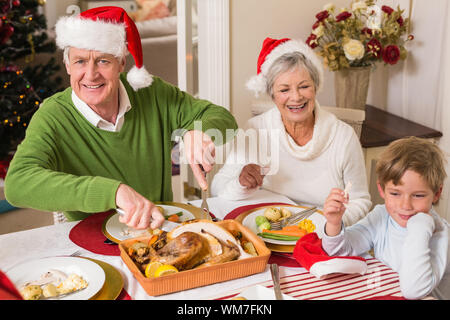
{"type": "Point", "coordinates": [310, 255]}
{"type": "Point", "coordinates": [271, 50]}
{"type": "Point", "coordinates": [106, 29]}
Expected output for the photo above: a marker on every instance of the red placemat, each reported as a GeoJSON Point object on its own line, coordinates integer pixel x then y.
{"type": "Point", "coordinates": [236, 212]}
{"type": "Point", "coordinates": [88, 235]}
{"type": "Point", "coordinates": [124, 295]}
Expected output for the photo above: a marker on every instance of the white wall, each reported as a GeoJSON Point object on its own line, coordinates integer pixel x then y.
{"type": "Point", "coordinates": [254, 20]}
{"type": "Point", "coordinates": [56, 8]}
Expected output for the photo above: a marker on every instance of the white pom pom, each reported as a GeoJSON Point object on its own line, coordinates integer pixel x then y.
{"type": "Point", "coordinates": [257, 84]}
{"type": "Point", "coordinates": [139, 78]}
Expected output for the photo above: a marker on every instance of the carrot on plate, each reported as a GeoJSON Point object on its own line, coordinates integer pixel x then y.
{"type": "Point", "coordinates": [288, 231]}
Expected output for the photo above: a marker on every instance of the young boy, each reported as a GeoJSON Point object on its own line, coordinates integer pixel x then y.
{"type": "Point", "coordinates": [405, 233]}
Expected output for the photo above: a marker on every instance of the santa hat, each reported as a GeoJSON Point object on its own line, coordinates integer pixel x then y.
{"type": "Point", "coordinates": [309, 253]}
{"type": "Point", "coordinates": [109, 30]}
{"type": "Point", "coordinates": [271, 50]}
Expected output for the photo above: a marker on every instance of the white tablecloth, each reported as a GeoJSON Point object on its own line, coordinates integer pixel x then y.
{"type": "Point", "coordinates": [54, 241]}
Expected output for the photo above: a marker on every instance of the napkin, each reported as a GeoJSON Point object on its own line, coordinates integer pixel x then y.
{"type": "Point", "coordinates": [7, 289]}
{"type": "Point", "coordinates": [309, 253]}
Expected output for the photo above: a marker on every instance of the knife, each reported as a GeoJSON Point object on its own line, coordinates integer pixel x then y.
{"type": "Point", "coordinates": [204, 206]}
{"type": "Point", "coordinates": [166, 226]}
{"type": "Point", "coordinates": [276, 281]}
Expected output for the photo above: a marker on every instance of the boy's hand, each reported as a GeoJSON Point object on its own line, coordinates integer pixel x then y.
{"type": "Point", "coordinates": [333, 210]}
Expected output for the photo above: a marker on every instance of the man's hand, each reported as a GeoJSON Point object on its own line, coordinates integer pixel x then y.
{"type": "Point", "coordinates": [333, 210]}
{"type": "Point", "coordinates": [251, 176]}
{"type": "Point", "coordinates": [140, 213]}
{"type": "Point", "coordinates": [200, 153]}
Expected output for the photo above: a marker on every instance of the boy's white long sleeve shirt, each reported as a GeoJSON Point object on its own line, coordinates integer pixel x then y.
{"type": "Point", "coordinates": [420, 253]}
{"type": "Point", "coordinates": [305, 174]}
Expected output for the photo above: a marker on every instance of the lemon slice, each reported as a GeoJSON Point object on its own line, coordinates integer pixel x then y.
{"type": "Point", "coordinates": [165, 270]}
{"type": "Point", "coordinates": [151, 268]}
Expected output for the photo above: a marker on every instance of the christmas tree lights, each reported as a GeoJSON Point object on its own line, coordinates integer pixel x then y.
{"type": "Point", "coordinates": [23, 84]}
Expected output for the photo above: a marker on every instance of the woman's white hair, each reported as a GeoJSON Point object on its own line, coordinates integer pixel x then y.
{"type": "Point", "coordinates": [288, 62]}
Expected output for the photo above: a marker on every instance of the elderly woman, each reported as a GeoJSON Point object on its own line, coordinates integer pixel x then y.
{"type": "Point", "coordinates": [106, 141]}
{"type": "Point", "coordinates": [313, 155]}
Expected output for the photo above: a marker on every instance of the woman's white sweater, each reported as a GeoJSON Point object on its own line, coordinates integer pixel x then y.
{"type": "Point", "coordinates": [305, 174]}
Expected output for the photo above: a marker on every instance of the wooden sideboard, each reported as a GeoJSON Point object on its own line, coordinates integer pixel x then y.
{"type": "Point", "coordinates": [378, 130]}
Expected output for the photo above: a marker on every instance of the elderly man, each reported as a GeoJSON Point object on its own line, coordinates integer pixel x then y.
{"type": "Point", "coordinates": [105, 142]}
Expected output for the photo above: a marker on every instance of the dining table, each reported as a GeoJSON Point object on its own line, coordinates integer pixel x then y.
{"type": "Point", "coordinates": [379, 282]}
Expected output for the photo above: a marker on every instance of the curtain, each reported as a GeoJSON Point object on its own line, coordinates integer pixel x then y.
{"type": "Point", "coordinates": [444, 114]}
{"type": "Point", "coordinates": [417, 89]}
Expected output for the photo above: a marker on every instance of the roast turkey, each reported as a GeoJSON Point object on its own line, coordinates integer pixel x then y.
{"type": "Point", "coordinates": [182, 252]}
{"type": "Point", "coordinates": [195, 245]}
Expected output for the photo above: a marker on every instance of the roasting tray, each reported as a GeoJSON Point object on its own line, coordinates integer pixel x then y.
{"type": "Point", "coordinates": [203, 276]}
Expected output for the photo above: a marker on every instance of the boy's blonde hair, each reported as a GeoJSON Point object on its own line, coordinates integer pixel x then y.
{"type": "Point", "coordinates": [415, 154]}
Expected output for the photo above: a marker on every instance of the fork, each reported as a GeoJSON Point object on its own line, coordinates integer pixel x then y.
{"type": "Point", "coordinates": [76, 254]}
{"type": "Point", "coordinates": [204, 206]}
{"type": "Point", "coordinates": [278, 225]}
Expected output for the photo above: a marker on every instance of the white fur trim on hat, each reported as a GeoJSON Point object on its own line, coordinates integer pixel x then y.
{"type": "Point", "coordinates": [107, 37]}
{"type": "Point", "coordinates": [338, 265]}
{"type": "Point", "coordinates": [139, 78]}
{"type": "Point", "coordinates": [258, 83]}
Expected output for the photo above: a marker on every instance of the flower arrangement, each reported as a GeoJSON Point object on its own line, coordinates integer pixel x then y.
{"type": "Point", "coordinates": [360, 36]}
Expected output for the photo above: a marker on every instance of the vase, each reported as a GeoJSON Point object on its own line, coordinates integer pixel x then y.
{"type": "Point", "coordinates": [351, 86]}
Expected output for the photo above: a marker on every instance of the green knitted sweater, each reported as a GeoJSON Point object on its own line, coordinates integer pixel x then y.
{"type": "Point", "coordinates": [67, 164]}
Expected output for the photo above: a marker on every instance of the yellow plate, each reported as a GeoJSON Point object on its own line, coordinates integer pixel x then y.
{"type": "Point", "coordinates": [112, 228]}
{"type": "Point", "coordinates": [113, 282]}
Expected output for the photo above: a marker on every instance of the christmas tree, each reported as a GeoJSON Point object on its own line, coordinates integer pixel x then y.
{"type": "Point", "coordinates": [24, 84]}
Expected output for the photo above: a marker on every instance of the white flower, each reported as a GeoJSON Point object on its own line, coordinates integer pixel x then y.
{"type": "Point", "coordinates": [360, 5]}
{"type": "Point", "coordinates": [319, 31]}
{"type": "Point", "coordinates": [354, 50]}
{"type": "Point", "coordinates": [329, 7]}
{"type": "Point", "coordinates": [374, 17]}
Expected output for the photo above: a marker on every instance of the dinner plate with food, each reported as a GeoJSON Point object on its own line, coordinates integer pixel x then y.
{"type": "Point", "coordinates": [117, 231]}
{"type": "Point", "coordinates": [58, 278]}
{"type": "Point", "coordinates": [261, 222]}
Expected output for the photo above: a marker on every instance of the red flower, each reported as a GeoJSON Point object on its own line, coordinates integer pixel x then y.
{"type": "Point", "coordinates": [374, 46]}
{"type": "Point", "coordinates": [322, 15]}
{"type": "Point", "coordinates": [315, 25]}
{"type": "Point", "coordinates": [343, 16]}
{"type": "Point", "coordinates": [367, 31]}
{"type": "Point", "coordinates": [400, 21]}
{"type": "Point", "coordinates": [387, 9]}
{"type": "Point", "coordinates": [310, 41]}
{"type": "Point", "coordinates": [391, 54]}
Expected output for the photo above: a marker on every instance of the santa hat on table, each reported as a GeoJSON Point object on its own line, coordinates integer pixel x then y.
{"type": "Point", "coordinates": [271, 50]}
{"type": "Point", "coordinates": [106, 29]}
{"type": "Point", "coordinates": [309, 253]}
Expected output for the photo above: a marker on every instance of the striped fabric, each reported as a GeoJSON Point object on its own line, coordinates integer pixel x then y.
{"type": "Point", "coordinates": [379, 282]}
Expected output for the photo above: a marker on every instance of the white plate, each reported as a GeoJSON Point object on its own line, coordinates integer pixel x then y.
{"type": "Point", "coordinates": [118, 231]}
{"type": "Point", "coordinates": [259, 292]}
{"type": "Point", "coordinates": [33, 270]}
{"type": "Point", "coordinates": [318, 220]}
